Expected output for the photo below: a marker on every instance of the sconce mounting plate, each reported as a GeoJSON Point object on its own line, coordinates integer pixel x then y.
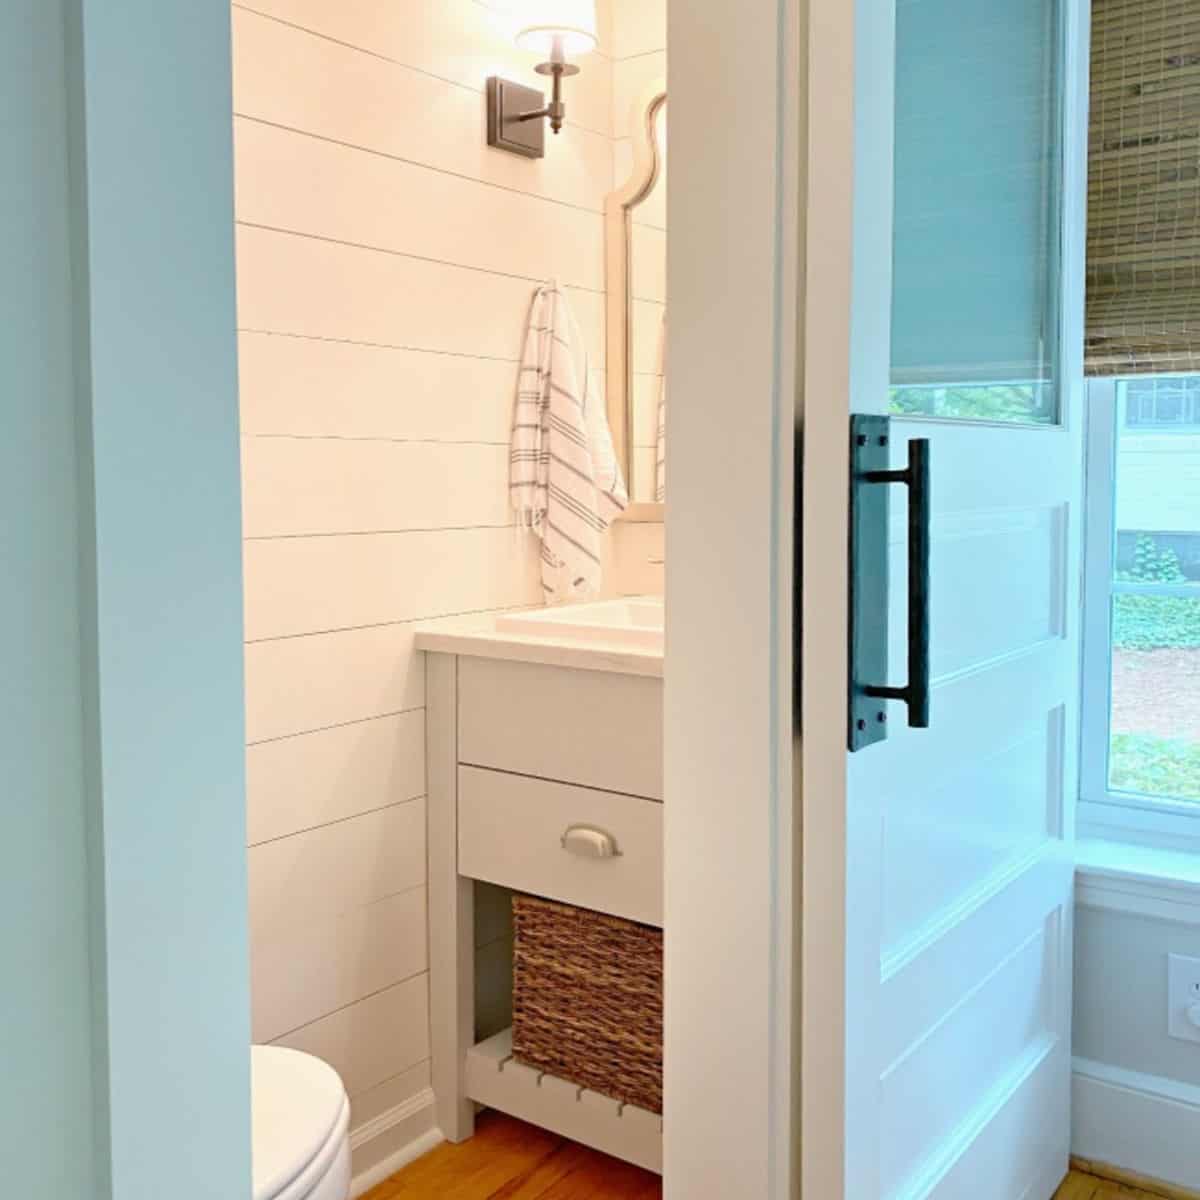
{"type": "Point", "coordinates": [506, 101]}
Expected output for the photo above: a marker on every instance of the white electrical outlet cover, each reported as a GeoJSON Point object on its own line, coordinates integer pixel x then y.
{"type": "Point", "coordinates": [1183, 994]}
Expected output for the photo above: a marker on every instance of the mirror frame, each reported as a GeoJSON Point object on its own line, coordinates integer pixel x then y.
{"type": "Point", "coordinates": [618, 249]}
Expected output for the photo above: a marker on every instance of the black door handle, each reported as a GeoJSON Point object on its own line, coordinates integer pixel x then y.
{"type": "Point", "coordinates": [916, 478]}
{"type": "Point", "coordinates": [870, 439]}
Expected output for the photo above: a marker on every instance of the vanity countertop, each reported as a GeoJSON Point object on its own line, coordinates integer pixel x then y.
{"type": "Point", "coordinates": [550, 637]}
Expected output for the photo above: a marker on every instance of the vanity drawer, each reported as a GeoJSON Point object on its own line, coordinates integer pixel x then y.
{"type": "Point", "coordinates": [596, 728]}
{"type": "Point", "coordinates": [510, 831]}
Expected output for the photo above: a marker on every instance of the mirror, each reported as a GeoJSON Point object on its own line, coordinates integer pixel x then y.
{"type": "Point", "coordinates": [636, 251]}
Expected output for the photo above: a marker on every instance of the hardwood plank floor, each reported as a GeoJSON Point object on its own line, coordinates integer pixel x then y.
{"type": "Point", "coordinates": [509, 1160]}
{"type": "Point", "coordinates": [1079, 1185]}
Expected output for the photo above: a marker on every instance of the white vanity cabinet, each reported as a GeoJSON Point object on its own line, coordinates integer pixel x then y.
{"type": "Point", "coordinates": [544, 778]}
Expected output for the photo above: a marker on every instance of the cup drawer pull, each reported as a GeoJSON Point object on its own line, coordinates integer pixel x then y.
{"type": "Point", "coordinates": [589, 842]}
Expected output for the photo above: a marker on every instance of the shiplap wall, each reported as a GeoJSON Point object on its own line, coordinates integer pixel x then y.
{"type": "Point", "coordinates": [386, 257]}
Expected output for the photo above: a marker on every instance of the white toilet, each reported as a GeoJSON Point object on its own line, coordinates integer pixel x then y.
{"type": "Point", "coordinates": [301, 1123]}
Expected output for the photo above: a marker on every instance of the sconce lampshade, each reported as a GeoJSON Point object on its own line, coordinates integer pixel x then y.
{"type": "Point", "coordinates": [541, 22]}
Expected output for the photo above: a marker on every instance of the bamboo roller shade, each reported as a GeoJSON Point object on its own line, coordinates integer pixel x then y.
{"type": "Point", "coordinates": [1143, 243]}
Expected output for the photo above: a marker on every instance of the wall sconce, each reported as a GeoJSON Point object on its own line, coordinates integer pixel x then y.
{"type": "Point", "coordinates": [560, 30]}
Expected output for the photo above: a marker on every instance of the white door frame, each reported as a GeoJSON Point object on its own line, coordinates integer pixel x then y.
{"type": "Point", "coordinates": [730, 832]}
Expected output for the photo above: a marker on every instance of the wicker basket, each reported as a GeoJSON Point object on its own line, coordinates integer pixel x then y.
{"type": "Point", "coordinates": [587, 999]}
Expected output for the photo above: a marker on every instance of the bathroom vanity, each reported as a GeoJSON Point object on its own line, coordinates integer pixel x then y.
{"type": "Point", "coordinates": [545, 777]}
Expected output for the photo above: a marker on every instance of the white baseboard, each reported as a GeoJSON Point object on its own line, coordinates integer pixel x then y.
{"type": "Point", "coordinates": [1143, 1123]}
{"type": "Point", "coordinates": [392, 1140]}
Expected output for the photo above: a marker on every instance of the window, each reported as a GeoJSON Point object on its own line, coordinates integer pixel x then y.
{"type": "Point", "coordinates": [1140, 761]}
{"type": "Point", "coordinates": [1011, 403]}
{"type": "Point", "coordinates": [977, 213]}
{"type": "Point", "coordinates": [1141, 715]}
{"type": "Point", "coordinates": [1163, 403]}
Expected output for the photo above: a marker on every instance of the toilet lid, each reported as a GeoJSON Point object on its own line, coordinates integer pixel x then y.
{"type": "Point", "coordinates": [297, 1103]}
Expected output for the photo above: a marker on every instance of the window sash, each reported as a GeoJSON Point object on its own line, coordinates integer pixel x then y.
{"type": "Point", "coordinates": [1156, 820]}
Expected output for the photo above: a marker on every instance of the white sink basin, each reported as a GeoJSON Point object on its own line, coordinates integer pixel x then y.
{"type": "Point", "coordinates": [636, 623]}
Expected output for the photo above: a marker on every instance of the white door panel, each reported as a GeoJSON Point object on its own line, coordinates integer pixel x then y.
{"type": "Point", "coordinates": [948, 1074]}
{"type": "Point", "coordinates": [958, 838]}
{"type": "Point", "coordinates": [961, 841]}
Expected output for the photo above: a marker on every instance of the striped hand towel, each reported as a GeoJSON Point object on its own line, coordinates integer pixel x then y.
{"type": "Point", "coordinates": [564, 479]}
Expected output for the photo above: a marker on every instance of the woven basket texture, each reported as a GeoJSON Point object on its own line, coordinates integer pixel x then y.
{"type": "Point", "coordinates": [587, 999]}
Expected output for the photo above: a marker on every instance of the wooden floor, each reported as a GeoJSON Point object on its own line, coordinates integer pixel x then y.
{"type": "Point", "coordinates": [1080, 1185]}
{"type": "Point", "coordinates": [508, 1160]}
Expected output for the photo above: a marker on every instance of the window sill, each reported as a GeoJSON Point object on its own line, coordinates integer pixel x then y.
{"type": "Point", "coordinates": [1138, 879]}
{"type": "Point", "coordinates": [1131, 821]}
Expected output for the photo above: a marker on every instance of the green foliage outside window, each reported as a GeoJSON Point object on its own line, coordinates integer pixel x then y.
{"type": "Point", "coordinates": [1138, 762]}
{"type": "Point", "coordinates": [1018, 403]}
{"type": "Point", "coordinates": [1155, 622]}
{"type": "Point", "coordinates": [1155, 766]}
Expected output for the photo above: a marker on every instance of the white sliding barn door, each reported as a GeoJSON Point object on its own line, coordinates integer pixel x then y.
{"type": "Point", "coordinates": [938, 868]}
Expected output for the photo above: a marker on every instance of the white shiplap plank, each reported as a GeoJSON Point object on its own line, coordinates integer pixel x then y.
{"type": "Point", "coordinates": [287, 180]}
{"type": "Point", "coordinates": [646, 392]}
{"type": "Point", "coordinates": [631, 77]}
{"type": "Point", "coordinates": [336, 868]}
{"type": "Point", "coordinates": [314, 486]}
{"type": "Point", "coordinates": [301, 684]}
{"type": "Point", "coordinates": [313, 779]}
{"type": "Point", "coordinates": [461, 41]}
{"type": "Point", "coordinates": [289, 283]}
{"type": "Point", "coordinates": [310, 388]}
{"type": "Point", "coordinates": [291, 78]}
{"type": "Point", "coordinates": [648, 247]}
{"type": "Point", "coordinates": [644, 480]}
{"type": "Point", "coordinates": [647, 336]}
{"type": "Point", "coordinates": [311, 585]}
{"type": "Point", "coordinates": [375, 1101]}
{"type": "Point", "coordinates": [303, 973]}
{"type": "Point", "coordinates": [373, 1040]}
{"type": "Point", "coordinates": [639, 26]}
{"type": "Point", "coordinates": [636, 551]}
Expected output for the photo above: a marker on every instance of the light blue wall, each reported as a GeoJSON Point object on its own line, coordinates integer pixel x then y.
{"type": "Point", "coordinates": [156, 280]}
{"type": "Point", "coordinates": [124, 1015]}
{"type": "Point", "coordinates": [45, 1048]}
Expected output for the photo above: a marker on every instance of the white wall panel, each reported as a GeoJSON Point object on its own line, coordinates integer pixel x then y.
{"type": "Point", "coordinates": [314, 779]}
{"type": "Point", "coordinates": [311, 585]}
{"type": "Point", "coordinates": [461, 41]}
{"type": "Point", "coordinates": [309, 185]}
{"type": "Point", "coordinates": [373, 1040]}
{"type": "Point", "coordinates": [386, 261]}
{"type": "Point", "coordinates": [290, 283]}
{"type": "Point", "coordinates": [307, 388]}
{"type": "Point", "coordinates": [288, 77]}
{"type": "Point", "coordinates": [296, 685]}
{"type": "Point", "coordinates": [305, 486]}
{"type": "Point", "coordinates": [337, 868]}
{"type": "Point", "coordinates": [309, 970]}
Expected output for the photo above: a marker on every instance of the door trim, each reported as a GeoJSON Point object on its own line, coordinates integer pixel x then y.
{"type": "Point", "coordinates": [729, 827]}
